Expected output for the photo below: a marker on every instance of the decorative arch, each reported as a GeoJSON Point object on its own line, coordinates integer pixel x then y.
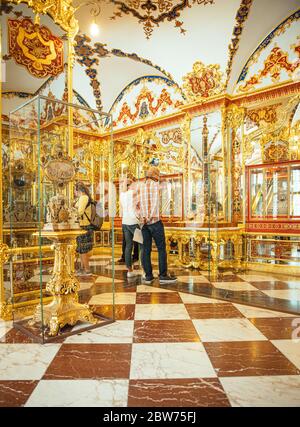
{"type": "Point", "coordinates": [275, 59]}
{"type": "Point", "coordinates": [144, 99]}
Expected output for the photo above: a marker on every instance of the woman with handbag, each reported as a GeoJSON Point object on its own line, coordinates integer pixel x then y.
{"type": "Point", "coordinates": [84, 242]}
{"type": "Point", "coordinates": [130, 222]}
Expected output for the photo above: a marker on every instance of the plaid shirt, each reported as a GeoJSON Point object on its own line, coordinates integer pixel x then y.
{"type": "Point", "coordinates": [146, 201]}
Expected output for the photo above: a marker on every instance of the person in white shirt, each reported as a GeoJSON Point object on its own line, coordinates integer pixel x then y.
{"type": "Point", "coordinates": [129, 220]}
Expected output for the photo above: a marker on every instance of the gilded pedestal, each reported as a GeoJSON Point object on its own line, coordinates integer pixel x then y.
{"type": "Point", "coordinates": [63, 285]}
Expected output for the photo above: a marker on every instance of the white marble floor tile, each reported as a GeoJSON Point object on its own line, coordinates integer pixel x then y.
{"type": "Point", "coordinates": [161, 312]}
{"type": "Point", "coordinates": [108, 256]}
{"type": "Point", "coordinates": [85, 285]}
{"type": "Point", "coordinates": [104, 279]}
{"type": "Point", "coordinates": [290, 294]}
{"type": "Point", "coordinates": [234, 286]}
{"type": "Point", "coordinates": [291, 350]}
{"type": "Point", "coordinates": [192, 279]}
{"type": "Point", "coordinates": [249, 277]}
{"type": "Point", "coordinates": [196, 299]}
{"type": "Point", "coordinates": [77, 393]}
{"type": "Point", "coordinates": [107, 298]}
{"type": "Point", "coordinates": [116, 267]}
{"type": "Point", "coordinates": [170, 360]}
{"type": "Point", "coordinates": [263, 391]}
{"type": "Point", "coordinates": [25, 361]}
{"type": "Point", "coordinates": [114, 333]}
{"type": "Point", "coordinates": [211, 330]}
{"type": "Point", "coordinates": [5, 327]}
{"type": "Point", "coordinates": [99, 262]}
{"type": "Point", "coordinates": [147, 288]}
{"type": "Point", "coordinates": [252, 312]}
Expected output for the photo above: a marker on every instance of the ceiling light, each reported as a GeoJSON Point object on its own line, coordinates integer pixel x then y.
{"type": "Point", "coordinates": [94, 28]}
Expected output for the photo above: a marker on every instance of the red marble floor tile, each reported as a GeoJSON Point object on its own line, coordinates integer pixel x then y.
{"type": "Point", "coordinates": [15, 336]}
{"type": "Point", "coordinates": [74, 361]}
{"type": "Point", "coordinates": [198, 392]}
{"type": "Point", "coordinates": [248, 358]}
{"type": "Point", "coordinates": [212, 311]}
{"type": "Point", "coordinates": [122, 311]}
{"type": "Point", "coordinates": [15, 393]}
{"type": "Point", "coordinates": [148, 331]}
{"type": "Point", "coordinates": [275, 285]}
{"type": "Point", "coordinates": [158, 298]}
{"type": "Point", "coordinates": [275, 328]}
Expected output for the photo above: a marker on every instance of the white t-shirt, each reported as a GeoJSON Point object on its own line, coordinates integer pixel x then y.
{"type": "Point", "coordinates": [128, 213]}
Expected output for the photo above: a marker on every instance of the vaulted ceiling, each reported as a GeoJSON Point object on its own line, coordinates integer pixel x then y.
{"type": "Point", "coordinates": [128, 47]}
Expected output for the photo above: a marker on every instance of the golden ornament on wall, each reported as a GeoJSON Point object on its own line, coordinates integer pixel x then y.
{"type": "Point", "coordinates": [35, 47]}
{"type": "Point", "coordinates": [203, 81]}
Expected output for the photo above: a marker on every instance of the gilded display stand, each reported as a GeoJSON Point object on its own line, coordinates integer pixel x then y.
{"type": "Point", "coordinates": [63, 285]}
{"type": "Point", "coordinates": [214, 238]}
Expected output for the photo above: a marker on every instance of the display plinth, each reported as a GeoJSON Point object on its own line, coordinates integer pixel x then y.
{"type": "Point", "coordinates": [63, 285]}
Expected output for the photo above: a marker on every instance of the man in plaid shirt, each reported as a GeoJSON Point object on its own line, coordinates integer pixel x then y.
{"type": "Point", "coordinates": [147, 202]}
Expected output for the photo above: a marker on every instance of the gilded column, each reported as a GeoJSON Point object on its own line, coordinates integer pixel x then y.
{"type": "Point", "coordinates": [206, 177]}
{"type": "Point", "coordinates": [3, 247]}
{"type": "Point", "coordinates": [70, 144]}
{"type": "Point", "coordinates": [234, 119]}
{"type": "Point", "coordinates": [187, 175]}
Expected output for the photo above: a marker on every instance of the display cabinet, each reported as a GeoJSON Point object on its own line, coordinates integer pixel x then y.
{"type": "Point", "coordinates": [50, 298]}
{"type": "Point", "coordinates": [273, 214]}
{"type": "Point", "coordinates": [274, 192]}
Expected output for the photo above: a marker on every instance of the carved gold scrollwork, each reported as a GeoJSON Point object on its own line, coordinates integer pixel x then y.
{"type": "Point", "coordinates": [61, 11]}
{"type": "Point", "coordinates": [203, 82]}
{"type": "Point", "coordinates": [233, 116]}
{"type": "Point", "coordinates": [4, 253]}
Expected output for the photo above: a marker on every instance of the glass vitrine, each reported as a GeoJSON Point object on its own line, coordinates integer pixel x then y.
{"type": "Point", "coordinates": [172, 197]}
{"type": "Point", "coordinates": [52, 296]}
{"type": "Point", "coordinates": [274, 191]}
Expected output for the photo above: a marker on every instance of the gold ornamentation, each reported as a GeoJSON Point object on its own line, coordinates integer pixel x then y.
{"type": "Point", "coordinates": [275, 150]}
{"type": "Point", "coordinates": [203, 82]}
{"type": "Point", "coordinates": [4, 253]}
{"type": "Point", "coordinates": [233, 119]}
{"type": "Point", "coordinates": [61, 11]}
{"type": "Point", "coordinates": [276, 61]}
{"type": "Point", "coordinates": [279, 30]}
{"type": "Point", "coordinates": [214, 238]}
{"type": "Point", "coordinates": [153, 12]}
{"type": "Point", "coordinates": [5, 311]}
{"type": "Point", "coordinates": [63, 285]}
{"type": "Point", "coordinates": [36, 48]}
{"type": "Point", "coordinates": [233, 116]}
{"type": "Point", "coordinates": [265, 114]}
{"type": "Point", "coordinates": [171, 136]}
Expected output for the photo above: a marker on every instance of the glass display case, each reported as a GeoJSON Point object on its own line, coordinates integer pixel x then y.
{"type": "Point", "coordinates": [51, 295]}
{"type": "Point", "coordinates": [274, 192]}
{"type": "Point", "coordinates": [172, 197]}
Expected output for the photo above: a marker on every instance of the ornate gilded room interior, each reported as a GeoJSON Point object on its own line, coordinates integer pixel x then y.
{"type": "Point", "coordinates": [97, 91]}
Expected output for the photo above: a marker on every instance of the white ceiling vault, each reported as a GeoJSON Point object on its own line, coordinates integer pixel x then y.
{"type": "Point", "coordinates": [202, 31]}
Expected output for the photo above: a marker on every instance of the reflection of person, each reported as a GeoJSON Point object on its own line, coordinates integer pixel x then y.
{"type": "Point", "coordinates": [135, 256]}
{"type": "Point", "coordinates": [148, 211]}
{"type": "Point", "coordinates": [129, 222]}
{"type": "Point", "coordinates": [84, 242]}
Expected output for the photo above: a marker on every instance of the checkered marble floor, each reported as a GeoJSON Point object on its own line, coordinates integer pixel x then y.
{"type": "Point", "coordinates": [168, 347]}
